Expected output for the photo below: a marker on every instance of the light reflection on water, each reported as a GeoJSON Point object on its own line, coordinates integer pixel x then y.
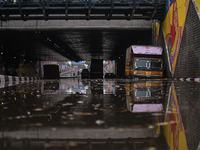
{"type": "Point", "coordinates": [92, 109]}
{"type": "Point", "coordinates": [74, 86]}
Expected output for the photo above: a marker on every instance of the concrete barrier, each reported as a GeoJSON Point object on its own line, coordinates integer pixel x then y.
{"type": "Point", "coordinates": [14, 80]}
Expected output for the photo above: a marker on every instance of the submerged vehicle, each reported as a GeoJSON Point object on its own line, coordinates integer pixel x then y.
{"type": "Point", "coordinates": [144, 61]}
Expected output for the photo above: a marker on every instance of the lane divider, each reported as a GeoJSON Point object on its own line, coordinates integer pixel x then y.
{"type": "Point", "coordinates": [187, 79]}
{"type": "Point", "coordinates": [13, 80]}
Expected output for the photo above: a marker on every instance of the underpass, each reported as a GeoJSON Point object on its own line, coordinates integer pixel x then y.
{"type": "Point", "coordinates": [98, 113]}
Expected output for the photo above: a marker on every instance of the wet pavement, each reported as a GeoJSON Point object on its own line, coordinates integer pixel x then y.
{"type": "Point", "coordinates": [110, 114]}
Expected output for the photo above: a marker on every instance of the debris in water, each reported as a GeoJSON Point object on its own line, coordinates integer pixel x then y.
{"type": "Point", "coordinates": [99, 122]}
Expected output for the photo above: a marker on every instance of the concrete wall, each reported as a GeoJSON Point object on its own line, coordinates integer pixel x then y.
{"type": "Point", "coordinates": [182, 36]}
{"type": "Point", "coordinates": [188, 64]}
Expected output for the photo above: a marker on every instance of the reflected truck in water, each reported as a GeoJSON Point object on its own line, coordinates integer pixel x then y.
{"type": "Point", "coordinates": [145, 96]}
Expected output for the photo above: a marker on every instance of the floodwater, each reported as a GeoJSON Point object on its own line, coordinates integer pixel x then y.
{"type": "Point", "coordinates": [105, 114]}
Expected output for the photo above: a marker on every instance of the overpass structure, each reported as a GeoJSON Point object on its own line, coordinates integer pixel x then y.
{"type": "Point", "coordinates": [62, 26]}
{"type": "Point", "coordinates": [81, 9]}
{"type": "Point", "coordinates": [64, 29]}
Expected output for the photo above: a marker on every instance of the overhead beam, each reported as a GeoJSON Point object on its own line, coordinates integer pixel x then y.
{"type": "Point", "coordinates": [43, 10]}
{"type": "Point", "coordinates": [155, 9]}
{"type": "Point", "coordinates": [89, 9]}
{"type": "Point", "coordinates": [133, 10]}
{"type": "Point", "coordinates": [111, 9]}
{"type": "Point", "coordinates": [75, 24]}
{"type": "Point", "coordinates": [78, 17]}
{"type": "Point", "coordinates": [66, 8]}
{"type": "Point", "coordinates": [80, 7]}
{"type": "Point", "coordinates": [20, 9]}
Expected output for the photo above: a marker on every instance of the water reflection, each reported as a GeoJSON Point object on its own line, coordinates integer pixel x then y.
{"type": "Point", "coordinates": [173, 130]}
{"type": "Point", "coordinates": [92, 114]}
{"type": "Point", "coordinates": [74, 86]}
{"type": "Point", "coordinates": [145, 97]}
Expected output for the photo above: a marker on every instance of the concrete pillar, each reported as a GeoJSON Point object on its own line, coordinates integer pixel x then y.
{"type": "Point", "coordinates": [96, 69]}
{"type": "Point", "coordinates": [51, 72]}
{"type": "Point", "coordinates": [120, 63]}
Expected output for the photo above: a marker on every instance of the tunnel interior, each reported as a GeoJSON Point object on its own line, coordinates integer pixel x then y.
{"type": "Point", "coordinates": [28, 46]}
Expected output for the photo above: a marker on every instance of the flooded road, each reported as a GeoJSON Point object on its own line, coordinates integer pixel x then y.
{"type": "Point", "coordinates": [118, 114]}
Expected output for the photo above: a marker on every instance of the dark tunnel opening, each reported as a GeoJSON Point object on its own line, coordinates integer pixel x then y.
{"type": "Point", "coordinates": [28, 47]}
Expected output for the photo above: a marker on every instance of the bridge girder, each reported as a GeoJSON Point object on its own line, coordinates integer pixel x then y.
{"type": "Point", "coordinates": [81, 9]}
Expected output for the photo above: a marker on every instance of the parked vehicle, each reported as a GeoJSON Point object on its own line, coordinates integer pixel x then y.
{"type": "Point", "coordinates": [144, 61]}
{"type": "Point", "coordinates": [110, 75]}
